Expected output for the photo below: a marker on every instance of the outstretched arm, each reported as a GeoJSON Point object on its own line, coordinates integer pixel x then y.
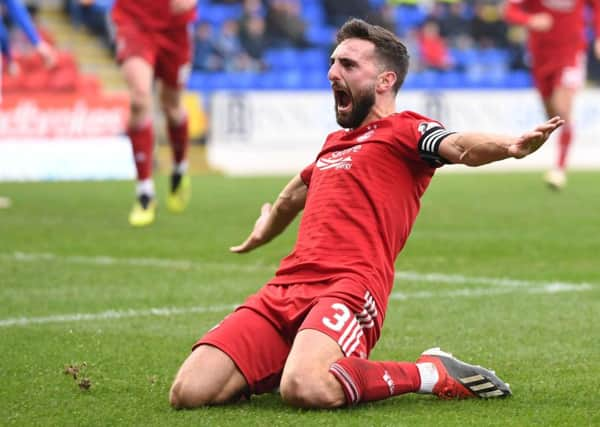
{"type": "Point", "coordinates": [275, 218]}
{"type": "Point", "coordinates": [476, 149]}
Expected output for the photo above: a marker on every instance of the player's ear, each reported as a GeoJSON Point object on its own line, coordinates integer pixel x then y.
{"type": "Point", "coordinates": [386, 81]}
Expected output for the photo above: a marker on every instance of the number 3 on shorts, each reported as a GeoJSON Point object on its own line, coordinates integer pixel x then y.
{"type": "Point", "coordinates": [340, 317]}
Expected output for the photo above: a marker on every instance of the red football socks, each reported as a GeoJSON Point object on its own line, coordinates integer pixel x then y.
{"type": "Point", "coordinates": [564, 142]}
{"type": "Point", "coordinates": [179, 140]}
{"type": "Point", "coordinates": [142, 142]}
{"type": "Point", "coordinates": [365, 380]}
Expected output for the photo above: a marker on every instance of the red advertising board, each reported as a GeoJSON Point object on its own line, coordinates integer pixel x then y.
{"type": "Point", "coordinates": [68, 115]}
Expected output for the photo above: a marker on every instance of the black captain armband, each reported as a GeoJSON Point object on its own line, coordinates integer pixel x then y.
{"type": "Point", "coordinates": [429, 145]}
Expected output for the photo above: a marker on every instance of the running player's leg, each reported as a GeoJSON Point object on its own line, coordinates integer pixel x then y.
{"type": "Point", "coordinates": [172, 68]}
{"type": "Point", "coordinates": [136, 55]}
{"type": "Point", "coordinates": [563, 99]}
{"type": "Point", "coordinates": [242, 355]}
{"type": "Point", "coordinates": [138, 75]}
{"type": "Point", "coordinates": [560, 101]}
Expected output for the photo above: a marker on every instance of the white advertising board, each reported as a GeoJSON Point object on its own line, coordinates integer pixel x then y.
{"type": "Point", "coordinates": [66, 159]}
{"type": "Point", "coordinates": [281, 132]}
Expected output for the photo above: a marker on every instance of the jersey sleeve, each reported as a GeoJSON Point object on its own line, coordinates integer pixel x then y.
{"type": "Point", "coordinates": [421, 138]}
{"type": "Point", "coordinates": [306, 174]}
{"type": "Point", "coordinates": [431, 136]}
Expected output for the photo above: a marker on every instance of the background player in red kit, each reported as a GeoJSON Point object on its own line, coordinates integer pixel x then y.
{"type": "Point", "coordinates": [153, 42]}
{"type": "Point", "coordinates": [557, 44]}
{"type": "Point", "coordinates": [311, 328]}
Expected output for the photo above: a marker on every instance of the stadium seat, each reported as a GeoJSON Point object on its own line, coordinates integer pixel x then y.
{"type": "Point", "coordinates": [243, 80]}
{"type": "Point", "coordinates": [451, 80]}
{"type": "Point", "coordinates": [268, 81]}
{"type": "Point", "coordinates": [519, 79]}
{"type": "Point", "coordinates": [282, 59]}
{"type": "Point", "coordinates": [321, 35]}
{"type": "Point", "coordinates": [313, 13]}
{"type": "Point", "coordinates": [314, 59]}
{"type": "Point", "coordinates": [315, 80]}
{"type": "Point", "coordinates": [216, 14]}
{"type": "Point", "coordinates": [291, 80]}
{"type": "Point", "coordinates": [409, 17]}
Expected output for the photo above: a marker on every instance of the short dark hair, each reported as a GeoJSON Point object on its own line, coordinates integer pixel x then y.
{"type": "Point", "coordinates": [390, 50]}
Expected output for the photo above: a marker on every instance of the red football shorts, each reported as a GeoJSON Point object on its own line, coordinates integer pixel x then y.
{"type": "Point", "coordinates": [553, 69]}
{"type": "Point", "coordinates": [167, 51]}
{"type": "Point", "coordinates": [258, 336]}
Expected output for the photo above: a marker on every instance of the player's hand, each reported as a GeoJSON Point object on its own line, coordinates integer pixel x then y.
{"type": "Point", "coordinates": [597, 48]}
{"type": "Point", "coordinates": [531, 141]}
{"type": "Point", "coordinates": [541, 22]}
{"type": "Point", "coordinates": [47, 53]}
{"type": "Point", "coordinates": [180, 6]}
{"type": "Point", "coordinates": [256, 238]}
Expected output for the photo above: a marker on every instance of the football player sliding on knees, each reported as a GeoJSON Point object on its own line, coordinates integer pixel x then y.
{"type": "Point", "coordinates": [310, 330]}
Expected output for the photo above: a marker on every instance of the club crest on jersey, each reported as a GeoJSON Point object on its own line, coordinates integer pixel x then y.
{"type": "Point", "coordinates": [338, 159]}
{"type": "Point", "coordinates": [365, 136]}
{"type": "Point", "coordinates": [425, 126]}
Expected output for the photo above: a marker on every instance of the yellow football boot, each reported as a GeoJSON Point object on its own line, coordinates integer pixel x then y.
{"type": "Point", "coordinates": [140, 216]}
{"type": "Point", "coordinates": [178, 199]}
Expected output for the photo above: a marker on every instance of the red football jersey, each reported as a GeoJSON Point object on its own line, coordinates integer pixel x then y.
{"type": "Point", "coordinates": [151, 14]}
{"type": "Point", "coordinates": [568, 28]}
{"type": "Point", "coordinates": [364, 192]}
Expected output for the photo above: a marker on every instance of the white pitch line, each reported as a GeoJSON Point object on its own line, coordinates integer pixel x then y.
{"type": "Point", "coordinates": [113, 314]}
{"type": "Point", "coordinates": [492, 281]}
{"type": "Point", "coordinates": [550, 288]}
{"type": "Point", "coordinates": [200, 265]}
{"type": "Point", "coordinates": [173, 311]}
{"type": "Point", "coordinates": [135, 262]}
{"type": "Point", "coordinates": [502, 286]}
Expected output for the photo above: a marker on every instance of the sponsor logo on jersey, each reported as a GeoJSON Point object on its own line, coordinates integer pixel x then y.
{"type": "Point", "coordinates": [338, 159]}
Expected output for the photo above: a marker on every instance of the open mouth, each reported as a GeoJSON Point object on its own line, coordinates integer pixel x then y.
{"type": "Point", "coordinates": [343, 100]}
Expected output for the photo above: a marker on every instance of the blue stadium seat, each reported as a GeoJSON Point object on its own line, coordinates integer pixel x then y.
{"type": "Point", "coordinates": [220, 80]}
{"type": "Point", "coordinates": [376, 4]}
{"type": "Point", "coordinates": [282, 59]}
{"type": "Point", "coordinates": [216, 14]}
{"type": "Point", "coordinates": [315, 80]}
{"type": "Point", "coordinates": [243, 80]}
{"type": "Point", "coordinates": [451, 80]}
{"type": "Point", "coordinates": [519, 79]}
{"type": "Point", "coordinates": [409, 17]}
{"type": "Point", "coordinates": [291, 80]}
{"type": "Point", "coordinates": [314, 59]}
{"type": "Point", "coordinates": [268, 80]}
{"type": "Point", "coordinates": [197, 81]}
{"type": "Point", "coordinates": [427, 79]}
{"type": "Point", "coordinates": [313, 13]}
{"type": "Point", "coordinates": [463, 58]}
{"type": "Point", "coordinates": [321, 35]}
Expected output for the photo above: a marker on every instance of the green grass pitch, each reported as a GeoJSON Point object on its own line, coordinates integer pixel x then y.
{"type": "Point", "coordinates": [498, 270]}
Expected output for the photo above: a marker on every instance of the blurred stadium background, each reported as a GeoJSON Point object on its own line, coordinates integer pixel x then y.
{"type": "Point", "coordinates": [258, 91]}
